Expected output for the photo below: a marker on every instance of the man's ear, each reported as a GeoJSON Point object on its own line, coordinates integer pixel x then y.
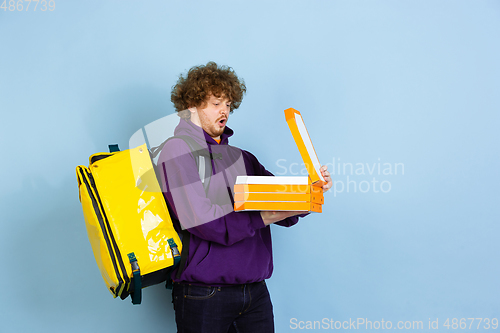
{"type": "Point", "coordinates": [192, 110]}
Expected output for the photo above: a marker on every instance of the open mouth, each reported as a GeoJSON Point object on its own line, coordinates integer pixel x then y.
{"type": "Point", "coordinates": [222, 122]}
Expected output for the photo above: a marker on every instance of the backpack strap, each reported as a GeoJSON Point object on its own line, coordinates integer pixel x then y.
{"type": "Point", "coordinates": [203, 158]}
{"type": "Point", "coordinates": [186, 238]}
{"type": "Point", "coordinates": [136, 293]}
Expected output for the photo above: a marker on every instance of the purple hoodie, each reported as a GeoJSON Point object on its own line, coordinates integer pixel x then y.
{"type": "Point", "coordinates": [226, 247]}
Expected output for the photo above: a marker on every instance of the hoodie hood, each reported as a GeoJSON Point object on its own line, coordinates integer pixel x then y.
{"type": "Point", "coordinates": [186, 127]}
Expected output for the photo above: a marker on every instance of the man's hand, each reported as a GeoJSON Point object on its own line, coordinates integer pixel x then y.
{"type": "Point", "coordinates": [328, 179]}
{"type": "Point", "coordinates": [270, 217]}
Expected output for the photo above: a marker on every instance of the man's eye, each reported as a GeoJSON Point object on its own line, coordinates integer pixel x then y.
{"type": "Point", "coordinates": [216, 104]}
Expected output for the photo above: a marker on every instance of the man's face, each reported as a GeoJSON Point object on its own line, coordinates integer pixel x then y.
{"type": "Point", "coordinates": [213, 117]}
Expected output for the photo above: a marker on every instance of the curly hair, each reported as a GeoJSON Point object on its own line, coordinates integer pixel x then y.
{"type": "Point", "coordinates": [195, 88]}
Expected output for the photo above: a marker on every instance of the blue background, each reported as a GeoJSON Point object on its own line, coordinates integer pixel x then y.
{"type": "Point", "coordinates": [411, 82]}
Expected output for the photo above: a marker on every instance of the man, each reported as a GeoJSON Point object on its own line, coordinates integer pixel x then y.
{"type": "Point", "coordinates": [221, 288]}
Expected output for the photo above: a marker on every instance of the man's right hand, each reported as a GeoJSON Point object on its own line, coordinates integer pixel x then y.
{"type": "Point", "coordinates": [270, 217]}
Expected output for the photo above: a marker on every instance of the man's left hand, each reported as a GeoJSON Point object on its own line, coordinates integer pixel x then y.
{"type": "Point", "coordinates": [326, 176]}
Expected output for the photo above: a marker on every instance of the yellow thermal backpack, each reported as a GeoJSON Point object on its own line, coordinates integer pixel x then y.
{"type": "Point", "coordinates": [128, 221]}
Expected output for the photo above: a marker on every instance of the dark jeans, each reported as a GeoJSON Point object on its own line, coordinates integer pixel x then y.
{"type": "Point", "coordinates": [239, 308]}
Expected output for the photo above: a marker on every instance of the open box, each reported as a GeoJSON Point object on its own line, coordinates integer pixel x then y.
{"type": "Point", "coordinates": [285, 193]}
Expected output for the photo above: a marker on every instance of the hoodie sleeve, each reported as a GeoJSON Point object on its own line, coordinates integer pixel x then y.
{"type": "Point", "coordinates": [197, 213]}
